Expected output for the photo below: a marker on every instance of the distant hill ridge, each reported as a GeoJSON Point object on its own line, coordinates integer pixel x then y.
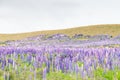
{"type": "Point", "coordinates": [111, 29]}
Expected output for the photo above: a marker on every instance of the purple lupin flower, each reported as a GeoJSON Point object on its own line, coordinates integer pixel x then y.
{"type": "Point", "coordinates": [44, 73]}
{"type": "Point", "coordinates": [22, 56]}
{"type": "Point", "coordinates": [3, 64]}
{"type": "Point", "coordinates": [61, 66]}
{"type": "Point", "coordinates": [48, 66]}
{"type": "Point", "coordinates": [29, 58]}
{"type": "Point", "coordinates": [76, 71]}
{"type": "Point", "coordinates": [70, 66]}
{"type": "Point", "coordinates": [10, 61]}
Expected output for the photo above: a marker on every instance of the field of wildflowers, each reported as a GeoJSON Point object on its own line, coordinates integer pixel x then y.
{"type": "Point", "coordinates": [60, 57]}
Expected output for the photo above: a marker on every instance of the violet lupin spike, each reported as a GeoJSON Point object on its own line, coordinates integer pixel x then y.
{"type": "Point", "coordinates": [44, 73]}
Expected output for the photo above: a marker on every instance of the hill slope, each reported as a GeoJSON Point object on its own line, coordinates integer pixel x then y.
{"type": "Point", "coordinates": [112, 29]}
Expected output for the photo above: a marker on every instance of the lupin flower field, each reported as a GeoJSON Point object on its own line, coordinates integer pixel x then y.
{"type": "Point", "coordinates": [61, 57]}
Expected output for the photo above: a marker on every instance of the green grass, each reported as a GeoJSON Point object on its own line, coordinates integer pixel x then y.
{"type": "Point", "coordinates": [60, 76]}
{"type": "Point", "coordinates": [100, 74]}
{"type": "Point", "coordinates": [107, 75]}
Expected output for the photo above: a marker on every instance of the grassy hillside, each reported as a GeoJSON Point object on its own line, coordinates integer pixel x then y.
{"type": "Point", "coordinates": [113, 29]}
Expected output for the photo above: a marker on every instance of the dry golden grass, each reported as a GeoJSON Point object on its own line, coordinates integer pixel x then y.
{"type": "Point", "coordinates": [112, 29]}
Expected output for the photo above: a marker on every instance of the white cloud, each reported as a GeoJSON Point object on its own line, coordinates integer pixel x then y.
{"type": "Point", "coordinates": [33, 15]}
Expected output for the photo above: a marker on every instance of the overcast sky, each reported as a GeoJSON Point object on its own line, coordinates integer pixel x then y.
{"type": "Point", "coordinates": [18, 16]}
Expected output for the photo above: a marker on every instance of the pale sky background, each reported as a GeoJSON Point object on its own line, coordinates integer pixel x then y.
{"type": "Point", "coordinates": [18, 16]}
